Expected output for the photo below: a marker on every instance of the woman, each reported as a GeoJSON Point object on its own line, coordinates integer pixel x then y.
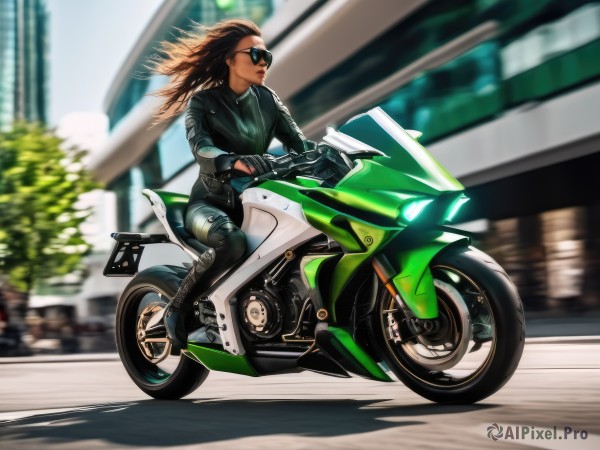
{"type": "Point", "coordinates": [230, 121]}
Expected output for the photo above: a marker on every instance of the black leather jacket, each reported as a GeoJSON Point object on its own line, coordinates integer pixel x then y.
{"type": "Point", "coordinates": [220, 124]}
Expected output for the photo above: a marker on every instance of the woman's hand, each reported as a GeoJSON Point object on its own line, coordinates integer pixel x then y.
{"type": "Point", "coordinates": [241, 168]}
{"type": "Point", "coordinates": [251, 165]}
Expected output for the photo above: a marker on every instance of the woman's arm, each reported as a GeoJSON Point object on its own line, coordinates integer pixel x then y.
{"type": "Point", "coordinates": [211, 158]}
{"type": "Point", "coordinates": [286, 130]}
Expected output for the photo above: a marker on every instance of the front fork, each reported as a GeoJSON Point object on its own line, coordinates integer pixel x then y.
{"type": "Point", "coordinates": [411, 326]}
{"type": "Point", "coordinates": [406, 274]}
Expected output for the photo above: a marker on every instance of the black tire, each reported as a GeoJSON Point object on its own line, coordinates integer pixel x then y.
{"type": "Point", "coordinates": [459, 270]}
{"type": "Point", "coordinates": [153, 286]}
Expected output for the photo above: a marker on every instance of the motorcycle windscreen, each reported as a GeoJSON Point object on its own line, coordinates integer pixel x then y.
{"type": "Point", "coordinates": [403, 153]}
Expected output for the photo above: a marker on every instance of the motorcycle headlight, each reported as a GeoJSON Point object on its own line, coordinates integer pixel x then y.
{"type": "Point", "coordinates": [414, 209]}
{"type": "Point", "coordinates": [455, 207]}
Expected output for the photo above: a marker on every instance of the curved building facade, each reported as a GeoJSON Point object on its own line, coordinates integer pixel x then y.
{"type": "Point", "coordinates": [506, 93]}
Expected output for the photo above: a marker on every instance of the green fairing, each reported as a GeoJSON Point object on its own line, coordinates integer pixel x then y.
{"type": "Point", "coordinates": [404, 154]}
{"type": "Point", "coordinates": [414, 280]}
{"type": "Point", "coordinates": [311, 266]}
{"type": "Point", "coordinates": [308, 182]}
{"type": "Point", "coordinates": [374, 238]}
{"type": "Point", "coordinates": [373, 186]}
{"type": "Point", "coordinates": [344, 338]}
{"type": "Point", "coordinates": [317, 215]}
{"type": "Point", "coordinates": [359, 244]}
{"type": "Point", "coordinates": [220, 360]}
{"type": "Point", "coordinates": [323, 219]}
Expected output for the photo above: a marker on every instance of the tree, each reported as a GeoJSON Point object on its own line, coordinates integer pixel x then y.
{"type": "Point", "coordinates": [40, 183]}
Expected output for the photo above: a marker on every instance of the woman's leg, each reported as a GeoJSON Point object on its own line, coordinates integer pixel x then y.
{"type": "Point", "coordinates": [227, 244]}
{"type": "Point", "coordinates": [215, 229]}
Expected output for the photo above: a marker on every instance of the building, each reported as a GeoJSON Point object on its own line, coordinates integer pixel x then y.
{"type": "Point", "coordinates": [23, 61]}
{"type": "Point", "coordinates": [506, 92]}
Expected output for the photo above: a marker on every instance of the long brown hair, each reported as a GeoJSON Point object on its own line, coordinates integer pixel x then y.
{"type": "Point", "coordinates": [196, 60]}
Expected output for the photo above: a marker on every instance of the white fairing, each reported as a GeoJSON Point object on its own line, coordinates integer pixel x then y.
{"type": "Point", "coordinates": [258, 223]}
{"type": "Point", "coordinates": [273, 224]}
{"type": "Point", "coordinates": [160, 210]}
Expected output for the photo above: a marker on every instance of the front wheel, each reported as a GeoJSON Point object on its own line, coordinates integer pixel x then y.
{"type": "Point", "coordinates": [141, 337]}
{"type": "Point", "coordinates": [479, 338]}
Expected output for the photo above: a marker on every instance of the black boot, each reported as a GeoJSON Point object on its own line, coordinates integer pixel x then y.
{"type": "Point", "coordinates": [177, 309]}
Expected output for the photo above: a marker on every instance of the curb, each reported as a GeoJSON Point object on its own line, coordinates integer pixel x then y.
{"type": "Point", "coordinates": [43, 359]}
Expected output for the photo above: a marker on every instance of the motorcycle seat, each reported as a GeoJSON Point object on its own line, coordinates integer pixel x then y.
{"type": "Point", "coordinates": [175, 205]}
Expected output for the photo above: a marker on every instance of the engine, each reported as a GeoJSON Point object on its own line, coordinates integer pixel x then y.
{"type": "Point", "coordinates": [278, 304]}
{"type": "Point", "coordinates": [261, 314]}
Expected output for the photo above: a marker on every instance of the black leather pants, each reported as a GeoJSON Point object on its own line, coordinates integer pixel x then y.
{"type": "Point", "coordinates": [214, 228]}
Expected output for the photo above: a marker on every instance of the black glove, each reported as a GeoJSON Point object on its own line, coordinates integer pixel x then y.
{"type": "Point", "coordinates": [310, 145]}
{"type": "Point", "coordinates": [252, 165]}
{"type": "Point", "coordinates": [280, 164]}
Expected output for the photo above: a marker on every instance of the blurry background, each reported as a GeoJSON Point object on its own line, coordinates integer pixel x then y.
{"type": "Point", "coordinates": [506, 92]}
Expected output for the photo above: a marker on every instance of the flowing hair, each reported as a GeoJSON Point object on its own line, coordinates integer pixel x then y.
{"type": "Point", "coordinates": [195, 61]}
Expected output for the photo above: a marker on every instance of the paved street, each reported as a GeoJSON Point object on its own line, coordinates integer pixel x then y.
{"type": "Point", "coordinates": [93, 405]}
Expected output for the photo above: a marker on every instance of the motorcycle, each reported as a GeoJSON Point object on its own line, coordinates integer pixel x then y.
{"type": "Point", "coordinates": [352, 269]}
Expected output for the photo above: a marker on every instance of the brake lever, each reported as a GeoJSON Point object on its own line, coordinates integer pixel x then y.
{"type": "Point", "coordinates": [260, 178]}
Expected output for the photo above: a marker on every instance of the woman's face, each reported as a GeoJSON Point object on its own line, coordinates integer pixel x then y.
{"type": "Point", "coordinates": [241, 68]}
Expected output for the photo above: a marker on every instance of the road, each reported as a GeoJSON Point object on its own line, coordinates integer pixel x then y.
{"type": "Point", "coordinates": [93, 405]}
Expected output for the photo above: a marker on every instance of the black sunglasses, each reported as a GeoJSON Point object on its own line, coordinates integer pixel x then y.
{"type": "Point", "coordinates": [256, 54]}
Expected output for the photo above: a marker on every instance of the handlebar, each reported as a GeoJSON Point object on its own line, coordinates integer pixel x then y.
{"type": "Point", "coordinates": [323, 162]}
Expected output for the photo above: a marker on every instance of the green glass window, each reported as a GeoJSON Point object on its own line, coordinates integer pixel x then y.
{"type": "Point", "coordinates": [543, 48]}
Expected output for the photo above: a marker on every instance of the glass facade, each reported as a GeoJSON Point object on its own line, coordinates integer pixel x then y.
{"type": "Point", "coordinates": [8, 58]}
{"type": "Point", "coordinates": [23, 61]}
{"type": "Point", "coordinates": [543, 48]}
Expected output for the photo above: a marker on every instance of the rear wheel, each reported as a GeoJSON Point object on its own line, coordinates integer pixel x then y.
{"type": "Point", "coordinates": [142, 342]}
{"type": "Point", "coordinates": [479, 338]}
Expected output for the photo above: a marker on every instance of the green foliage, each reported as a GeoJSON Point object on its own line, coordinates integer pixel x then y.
{"type": "Point", "coordinates": [40, 184]}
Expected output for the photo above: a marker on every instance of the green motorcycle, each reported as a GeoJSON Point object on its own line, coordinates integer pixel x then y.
{"type": "Point", "coordinates": [351, 270]}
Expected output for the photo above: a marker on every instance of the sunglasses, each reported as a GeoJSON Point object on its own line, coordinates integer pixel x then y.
{"type": "Point", "coordinates": [256, 54]}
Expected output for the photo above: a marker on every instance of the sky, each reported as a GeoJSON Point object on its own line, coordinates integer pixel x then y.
{"type": "Point", "coordinates": [89, 41]}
